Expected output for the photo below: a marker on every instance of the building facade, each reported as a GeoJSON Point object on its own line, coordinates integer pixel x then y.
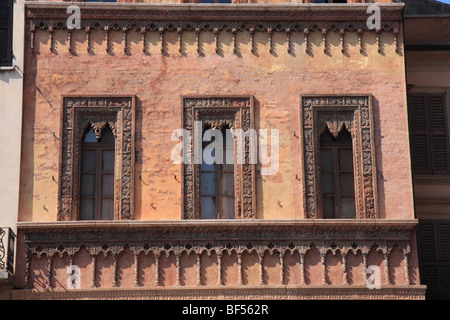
{"type": "Point", "coordinates": [427, 39]}
{"type": "Point", "coordinates": [325, 211]}
{"type": "Point", "coordinates": [11, 92]}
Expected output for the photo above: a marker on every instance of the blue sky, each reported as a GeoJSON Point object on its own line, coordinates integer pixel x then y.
{"type": "Point", "coordinates": [444, 1]}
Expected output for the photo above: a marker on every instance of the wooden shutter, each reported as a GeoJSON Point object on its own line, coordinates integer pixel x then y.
{"type": "Point", "coordinates": [434, 257]}
{"type": "Point", "coordinates": [429, 134]}
{"type": "Point", "coordinates": [6, 23]}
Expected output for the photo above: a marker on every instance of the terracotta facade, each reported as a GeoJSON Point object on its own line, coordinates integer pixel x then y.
{"type": "Point", "coordinates": [145, 65]}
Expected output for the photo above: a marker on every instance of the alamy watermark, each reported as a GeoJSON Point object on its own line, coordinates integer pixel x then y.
{"type": "Point", "coordinates": [374, 277]}
{"type": "Point", "coordinates": [192, 150]}
{"type": "Point", "coordinates": [74, 279]}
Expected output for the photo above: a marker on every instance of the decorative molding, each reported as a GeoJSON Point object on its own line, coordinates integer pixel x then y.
{"type": "Point", "coordinates": [416, 292]}
{"type": "Point", "coordinates": [78, 114]}
{"type": "Point", "coordinates": [50, 240]}
{"type": "Point", "coordinates": [275, 20]}
{"type": "Point", "coordinates": [237, 113]}
{"type": "Point", "coordinates": [355, 113]}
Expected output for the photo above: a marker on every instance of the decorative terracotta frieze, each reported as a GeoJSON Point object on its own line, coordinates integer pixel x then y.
{"type": "Point", "coordinates": [234, 21]}
{"type": "Point", "coordinates": [183, 238]}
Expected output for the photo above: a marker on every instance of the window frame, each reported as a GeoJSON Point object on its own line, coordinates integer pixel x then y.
{"type": "Point", "coordinates": [218, 110]}
{"type": "Point", "coordinates": [78, 112]}
{"type": "Point", "coordinates": [335, 111]}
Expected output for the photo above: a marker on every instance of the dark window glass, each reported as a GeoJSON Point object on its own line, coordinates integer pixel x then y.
{"type": "Point", "coordinates": [6, 32]}
{"type": "Point", "coordinates": [217, 183]}
{"type": "Point", "coordinates": [97, 176]}
{"type": "Point", "coordinates": [338, 187]}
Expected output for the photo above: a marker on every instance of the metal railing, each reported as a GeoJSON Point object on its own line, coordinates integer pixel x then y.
{"type": "Point", "coordinates": [7, 250]}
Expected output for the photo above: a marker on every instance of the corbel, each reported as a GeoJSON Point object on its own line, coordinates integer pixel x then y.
{"type": "Point", "coordinates": [306, 34]}
{"type": "Point", "coordinates": [269, 31]}
{"type": "Point", "coordinates": [252, 39]}
{"type": "Point", "coordinates": [288, 39]}
{"type": "Point", "coordinates": [125, 37]}
{"type": "Point", "coordinates": [233, 32]}
{"type": "Point", "coordinates": [88, 32]}
{"type": "Point", "coordinates": [378, 33]}
{"type": "Point", "coordinates": [406, 252]}
{"type": "Point", "coordinates": [324, 40]}
{"type": "Point", "coordinates": [216, 38]}
{"type": "Point", "coordinates": [107, 39]}
{"type": "Point", "coordinates": [32, 30]}
{"type": "Point", "coordinates": [197, 39]}
{"type": "Point", "coordinates": [70, 39]}
{"type": "Point", "coordinates": [360, 32]}
{"type": "Point", "coordinates": [143, 32]}
{"type": "Point", "coordinates": [50, 30]}
{"type": "Point", "coordinates": [161, 38]}
{"type": "Point", "coordinates": [179, 32]}
{"type": "Point", "coordinates": [396, 44]}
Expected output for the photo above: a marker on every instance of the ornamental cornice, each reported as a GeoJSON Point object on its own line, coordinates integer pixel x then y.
{"type": "Point", "coordinates": [199, 18]}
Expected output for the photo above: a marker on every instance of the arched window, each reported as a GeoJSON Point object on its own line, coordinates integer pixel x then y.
{"type": "Point", "coordinates": [338, 187]}
{"type": "Point", "coordinates": [217, 179]}
{"type": "Point", "coordinates": [97, 176]}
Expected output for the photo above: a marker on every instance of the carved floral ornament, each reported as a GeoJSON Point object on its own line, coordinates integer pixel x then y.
{"type": "Point", "coordinates": [234, 21]}
{"type": "Point", "coordinates": [337, 112]}
{"type": "Point", "coordinates": [219, 112]}
{"type": "Point", "coordinates": [80, 113]}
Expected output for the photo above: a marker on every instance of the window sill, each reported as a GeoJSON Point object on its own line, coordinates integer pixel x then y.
{"type": "Point", "coordinates": [431, 179]}
{"type": "Point", "coordinates": [7, 68]}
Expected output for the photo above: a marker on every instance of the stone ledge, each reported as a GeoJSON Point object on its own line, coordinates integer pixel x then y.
{"type": "Point", "coordinates": [360, 292]}
{"type": "Point", "coordinates": [213, 7]}
{"type": "Point", "coordinates": [304, 223]}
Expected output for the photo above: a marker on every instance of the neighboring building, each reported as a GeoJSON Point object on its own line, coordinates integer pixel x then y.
{"type": "Point", "coordinates": [11, 89]}
{"type": "Point", "coordinates": [100, 197]}
{"type": "Point", "coordinates": [427, 38]}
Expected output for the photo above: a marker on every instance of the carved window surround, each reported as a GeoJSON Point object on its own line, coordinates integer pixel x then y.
{"type": "Point", "coordinates": [79, 113]}
{"type": "Point", "coordinates": [355, 113]}
{"type": "Point", "coordinates": [235, 112]}
{"type": "Point", "coordinates": [167, 18]}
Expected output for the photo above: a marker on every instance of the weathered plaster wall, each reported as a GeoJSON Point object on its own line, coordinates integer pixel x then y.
{"type": "Point", "coordinates": [276, 80]}
{"type": "Point", "coordinates": [11, 86]}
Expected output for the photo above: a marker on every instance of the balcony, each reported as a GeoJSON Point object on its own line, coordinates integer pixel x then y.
{"type": "Point", "coordinates": [7, 249]}
{"type": "Point", "coordinates": [261, 259]}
